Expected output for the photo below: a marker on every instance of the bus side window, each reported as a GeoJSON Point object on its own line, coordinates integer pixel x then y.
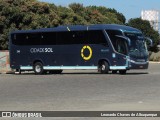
{"type": "Point", "coordinates": [80, 37]}
{"type": "Point", "coordinates": [121, 46]}
{"type": "Point", "coordinates": [48, 38]}
{"type": "Point", "coordinates": [18, 39]}
{"type": "Point", "coordinates": [112, 35]}
{"type": "Point", "coordinates": [96, 37]}
{"type": "Point", "coordinates": [33, 39]}
{"type": "Point", "coordinates": [72, 37]}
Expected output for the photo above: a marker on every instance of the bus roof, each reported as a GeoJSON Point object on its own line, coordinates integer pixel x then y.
{"type": "Point", "coordinates": [82, 28]}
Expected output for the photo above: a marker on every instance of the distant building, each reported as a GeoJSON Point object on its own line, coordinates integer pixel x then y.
{"type": "Point", "coordinates": [152, 16]}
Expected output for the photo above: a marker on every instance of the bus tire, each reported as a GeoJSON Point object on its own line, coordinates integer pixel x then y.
{"type": "Point", "coordinates": [104, 67]}
{"type": "Point", "coordinates": [18, 71]}
{"type": "Point", "coordinates": [122, 72]}
{"type": "Point", "coordinates": [38, 68]}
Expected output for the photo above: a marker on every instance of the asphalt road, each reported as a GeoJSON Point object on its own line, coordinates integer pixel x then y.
{"type": "Point", "coordinates": [82, 91]}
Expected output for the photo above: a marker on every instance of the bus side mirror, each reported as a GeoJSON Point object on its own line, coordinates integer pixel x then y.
{"type": "Point", "coordinates": [125, 38]}
{"type": "Point", "coordinates": [149, 42]}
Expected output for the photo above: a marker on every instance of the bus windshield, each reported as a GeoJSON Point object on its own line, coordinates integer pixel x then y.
{"type": "Point", "coordinates": [138, 46]}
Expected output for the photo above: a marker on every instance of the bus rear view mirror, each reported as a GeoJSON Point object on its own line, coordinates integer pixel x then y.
{"type": "Point", "coordinates": [125, 38]}
{"type": "Point", "coordinates": [149, 41]}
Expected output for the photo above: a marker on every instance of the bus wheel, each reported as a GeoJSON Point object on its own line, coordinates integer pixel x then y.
{"type": "Point", "coordinates": [104, 67]}
{"type": "Point", "coordinates": [38, 68]}
{"type": "Point", "coordinates": [114, 71]}
{"type": "Point", "coordinates": [122, 72]}
{"type": "Point", "coordinates": [18, 71]}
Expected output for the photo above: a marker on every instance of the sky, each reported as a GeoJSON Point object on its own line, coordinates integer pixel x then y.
{"type": "Point", "coordinates": [129, 8]}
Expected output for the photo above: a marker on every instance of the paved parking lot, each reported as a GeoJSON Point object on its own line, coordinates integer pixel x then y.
{"type": "Point", "coordinates": [82, 90]}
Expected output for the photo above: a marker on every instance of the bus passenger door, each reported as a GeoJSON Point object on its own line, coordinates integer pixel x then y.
{"type": "Point", "coordinates": [121, 48]}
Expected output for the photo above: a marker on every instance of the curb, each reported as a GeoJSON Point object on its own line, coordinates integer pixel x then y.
{"type": "Point", "coordinates": [8, 72]}
{"type": "Point", "coordinates": [154, 62]}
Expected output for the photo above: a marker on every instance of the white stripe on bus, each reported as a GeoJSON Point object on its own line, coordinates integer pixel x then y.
{"type": "Point", "coordinates": [69, 67]}
{"type": "Point", "coordinates": [118, 67]}
{"type": "Point", "coordinates": [73, 67]}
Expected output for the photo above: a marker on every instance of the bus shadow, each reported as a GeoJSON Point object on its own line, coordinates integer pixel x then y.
{"type": "Point", "coordinates": [140, 73]}
{"type": "Point", "coordinates": [80, 73]}
{"type": "Point", "coordinates": [131, 73]}
{"type": "Point", "coordinates": [86, 73]}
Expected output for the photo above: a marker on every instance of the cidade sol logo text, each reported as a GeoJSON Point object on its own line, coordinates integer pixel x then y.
{"type": "Point", "coordinates": [41, 50]}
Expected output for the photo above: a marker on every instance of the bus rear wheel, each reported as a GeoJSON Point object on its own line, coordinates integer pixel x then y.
{"type": "Point", "coordinates": [104, 67]}
{"type": "Point", "coordinates": [38, 68]}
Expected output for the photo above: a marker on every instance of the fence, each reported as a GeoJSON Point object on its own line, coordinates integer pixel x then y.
{"type": "Point", "coordinates": [4, 61]}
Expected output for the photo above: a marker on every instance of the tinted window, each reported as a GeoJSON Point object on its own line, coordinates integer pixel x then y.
{"type": "Point", "coordinates": [59, 38]}
{"type": "Point", "coordinates": [26, 39]}
{"type": "Point", "coordinates": [72, 37]}
{"type": "Point", "coordinates": [81, 37]}
{"type": "Point", "coordinates": [96, 37]}
{"type": "Point", "coordinates": [48, 38]}
{"type": "Point", "coordinates": [18, 39]}
{"type": "Point", "coordinates": [33, 39]}
{"type": "Point", "coordinates": [112, 35]}
{"type": "Point", "coordinates": [121, 46]}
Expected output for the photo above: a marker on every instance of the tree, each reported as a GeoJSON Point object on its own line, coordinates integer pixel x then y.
{"type": "Point", "coordinates": [119, 16]}
{"type": "Point", "coordinates": [147, 30]}
{"type": "Point", "coordinates": [97, 15]}
{"type": "Point", "coordinates": [68, 17]}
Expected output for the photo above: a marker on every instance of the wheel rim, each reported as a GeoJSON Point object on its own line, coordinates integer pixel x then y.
{"type": "Point", "coordinates": [103, 67]}
{"type": "Point", "coordinates": [38, 68]}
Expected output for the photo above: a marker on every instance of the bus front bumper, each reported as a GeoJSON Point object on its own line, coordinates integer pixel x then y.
{"type": "Point", "coordinates": [138, 65]}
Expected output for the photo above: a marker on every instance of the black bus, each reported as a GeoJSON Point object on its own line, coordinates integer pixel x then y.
{"type": "Point", "coordinates": [105, 47]}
